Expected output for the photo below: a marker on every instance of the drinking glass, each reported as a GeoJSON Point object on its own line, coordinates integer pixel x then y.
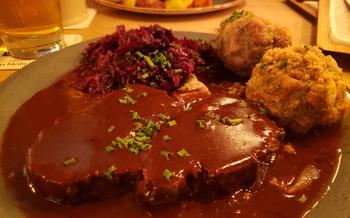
{"type": "Point", "coordinates": [31, 28]}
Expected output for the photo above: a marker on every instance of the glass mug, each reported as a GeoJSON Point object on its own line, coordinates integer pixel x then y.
{"type": "Point", "coordinates": [31, 28]}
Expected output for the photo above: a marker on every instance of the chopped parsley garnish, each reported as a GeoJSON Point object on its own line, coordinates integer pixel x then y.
{"type": "Point", "coordinates": [148, 61]}
{"type": "Point", "coordinates": [136, 147]}
{"type": "Point", "coordinates": [128, 54]}
{"type": "Point", "coordinates": [262, 110]}
{"type": "Point", "coordinates": [127, 100]}
{"type": "Point", "coordinates": [138, 125]}
{"type": "Point", "coordinates": [143, 94]}
{"type": "Point", "coordinates": [168, 174]}
{"type": "Point", "coordinates": [172, 123]}
{"type": "Point", "coordinates": [166, 138]}
{"type": "Point", "coordinates": [145, 75]}
{"type": "Point", "coordinates": [163, 117]}
{"type": "Point", "coordinates": [231, 121]}
{"type": "Point", "coordinates": [283, 64]}
{"type": "Point", "coordinates": [148, 131]}
{"type": "Point", "coordinates": [111, 128]}
{"type": "Point", "coordinates": [264, 66]}
{"type": "Point", "coordinates": [210, 114]}
{"type": "Point", "coordinates": [235, 16]}
{"type": "Point", "coordinates": [139, 54]}
{"type": "Point", "coordinates": [122, 142]}
{"type": "Point", "coordinates": [127, 89]}
{"type": "Point", "coordinates": [302, 199]}
{"type": "Point", "coordinates": [146, 58]}
{"type": "Point", "coordinates": [165, 154]}
{"type": "Point", "coordinates": [134, 115]}
{"type": "Point", "coordinates": [182, 153]}
{"type": "Point", "coordinates": [201, 123]}
{"type": "Point", "coordinates": [187, 108]}
{"type": "Point", "coordinates": [109, 172]}
{"type": "Point", "coordinates": [161, 59]}
{"type": "Point", "coordinates": [152, 125]}
{"type": "Point", "coordinates": [142, 138]}
{"type": "Point", "coordinates": [109, 148]}
{"type": "Point", "coordinates": [278, 85]}
{"type": "Point", "coordinates": [70, 161]}
{"type": "Point", "coordinates": [178, 70]}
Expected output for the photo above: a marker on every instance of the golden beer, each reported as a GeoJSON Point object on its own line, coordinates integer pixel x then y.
{"type": "Point", "coordinates": [31, 28]}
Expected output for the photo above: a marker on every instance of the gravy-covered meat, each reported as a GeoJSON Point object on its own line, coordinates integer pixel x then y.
{"type": "Point", "coordinates": [74, 159]}
{"type": "Point", "coordinates": [214, 149]}
{"type": "Point", "coordinates": [139, 137]}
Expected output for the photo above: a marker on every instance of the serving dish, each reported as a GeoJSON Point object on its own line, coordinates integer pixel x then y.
{"type": "Point", "coordinates": [43, 72]}
{"type": "Point", "coordinates": [217, 5]}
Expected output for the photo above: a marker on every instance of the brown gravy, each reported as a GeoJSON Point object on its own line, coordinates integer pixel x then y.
{"type": "Point", "coordinates": [320, 148]}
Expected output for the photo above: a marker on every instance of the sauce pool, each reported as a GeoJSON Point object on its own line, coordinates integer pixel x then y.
{"type": "Point", "coordinates": [320, 148]}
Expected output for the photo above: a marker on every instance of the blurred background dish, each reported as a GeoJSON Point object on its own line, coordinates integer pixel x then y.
{"type": "Point", "coordinates": [174, 7]}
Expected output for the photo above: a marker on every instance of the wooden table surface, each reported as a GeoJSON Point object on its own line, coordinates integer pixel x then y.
{"type": "Point", "coordinates": [302, 28]}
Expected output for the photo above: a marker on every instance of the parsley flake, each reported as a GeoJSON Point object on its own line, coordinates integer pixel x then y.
{"type": "Point", "coordinates": [109, 172]}
{"type": "Point", "coordinates": [134, 115]}
{"type": "Point", "coordinates": [166, 138]}
{"type": "Point", "coordinates": [262, 110]}
{"type": "Point", "coordinates": [235, 16]}
{"type": "Point", "coordinates": [143, 94]}
{"type": "Point", "coordinates": [127, 89]}
{"type": "Point", "coordinates": [182, 153]}
{"type": "Point", "coordinates": [168, 174]}
{"type": "Point", "coordinates": [163, 117]}
{"type": "Point", "coordinates": [69, 162]}
{"type": "Point", "coordinates": [111, 128]}
{"type": "Point", "coordinates": [187, 108]}
{"type": "Point", "coordinates": [148, 61]}
{"type": "Point", "coordinates": [172, 123]}
{"type": "Point", "coordinates": [109, 148]}
{"type": "Point", "coordinates": [127, 100]}
{"type": "Point", "coordinates": [283, 64]}
{"type": "Point", "coordinates": [210, 114]}
{"type": "Point", "coordinates": [231, 121]}
{"type": "Point", "coordinates": [165, 154]}
{"type": "Point", "coordinates": [302, 199]}
{"type": "Point", "coordinates": [200, 123]}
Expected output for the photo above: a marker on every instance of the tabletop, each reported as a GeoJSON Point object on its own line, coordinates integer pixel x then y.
{"type": "Point", "coordinates": [302, 28]}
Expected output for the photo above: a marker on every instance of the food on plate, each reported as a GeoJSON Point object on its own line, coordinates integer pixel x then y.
{"type": "Point", "coordinates": [300, 87]}
{"type": "Point", "coordinates": [168, 4]}
{"type": "Point", "coordinates": [152, 125]}
{"type": "Point", "coordinates": [149, 55]}
{"type": "Point", "coordinates": [243, 38]}
{"type": "Point", "coordinates": [139, 154]}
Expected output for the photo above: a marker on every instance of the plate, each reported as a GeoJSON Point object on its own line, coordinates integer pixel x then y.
{"type": "Point", "coordinates": [38, 75]}
{"type": "Point", "coordinates": [218, 5]}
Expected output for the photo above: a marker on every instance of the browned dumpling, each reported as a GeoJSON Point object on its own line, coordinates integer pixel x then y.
{"type": "Point", "coordinates": [243, 38]}
{"type": "Point", "coordinates": [300, 87]}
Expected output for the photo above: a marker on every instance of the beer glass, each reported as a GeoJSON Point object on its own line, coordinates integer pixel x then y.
{"type": "Point", "coordinates": [31, 28]}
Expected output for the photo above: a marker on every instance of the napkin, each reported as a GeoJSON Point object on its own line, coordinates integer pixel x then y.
{"type": "Point", "coordinates": [339, 15]}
